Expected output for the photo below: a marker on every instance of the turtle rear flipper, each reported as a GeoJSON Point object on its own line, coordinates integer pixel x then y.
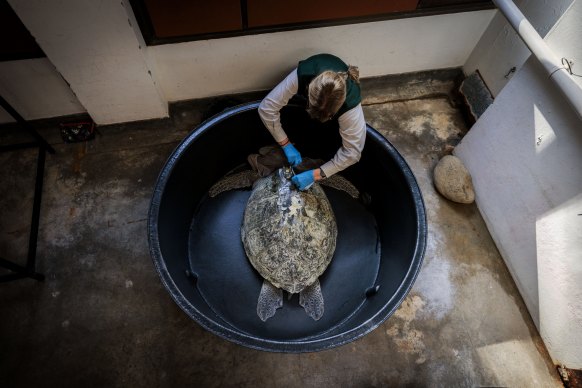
{"type": "Point", "coordinates": [270, 299]}
{"type": "Point", "coordinates": [311, 299]}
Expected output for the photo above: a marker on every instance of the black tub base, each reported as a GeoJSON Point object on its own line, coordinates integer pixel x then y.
{"type": "Point", "coordinates": [230, 285]}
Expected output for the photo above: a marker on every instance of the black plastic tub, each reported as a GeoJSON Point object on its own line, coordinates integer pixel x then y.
{"type": "Point", "coordinates": [196, 247]}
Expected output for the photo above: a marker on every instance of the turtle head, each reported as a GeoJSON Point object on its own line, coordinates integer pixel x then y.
{"type": "Point", "coordinates": [288, 172]}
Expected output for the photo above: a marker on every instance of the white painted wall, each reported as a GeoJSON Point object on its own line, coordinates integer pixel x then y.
{"type": "Point", "coordinates": [214, 67]}
{"type": "Point", "coordinates": [103, 57]}
{"type": "Point", "coordinates": [36, 90]}
{"type": "Point", "coordinates": [525, 156]}
{"type": "Point", "coordinates": [94, 47]}
{"type": "Point", "coordinates": [500, 48]}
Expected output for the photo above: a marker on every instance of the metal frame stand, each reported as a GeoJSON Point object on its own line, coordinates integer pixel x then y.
{"type": "Point", "coordinates": [29, 270]}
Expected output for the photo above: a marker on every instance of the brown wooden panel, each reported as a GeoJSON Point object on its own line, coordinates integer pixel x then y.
{"type": "Point", "coordinates": [443, 3]}
{"type": "Point", "coordinates": [262, 13]}
{"type": "Point", "coordinates": [172, 18]}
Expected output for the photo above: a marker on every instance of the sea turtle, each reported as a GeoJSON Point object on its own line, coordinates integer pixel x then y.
{"type": "Point", "coordinates": [289, 237]}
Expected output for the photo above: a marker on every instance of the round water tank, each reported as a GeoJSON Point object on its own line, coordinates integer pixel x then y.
{"type": "Point", "coordinates": [196, 247]}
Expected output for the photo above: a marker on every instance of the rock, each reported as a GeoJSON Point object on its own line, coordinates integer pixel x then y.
{"type": "Point", "coordinates": [453, 181]}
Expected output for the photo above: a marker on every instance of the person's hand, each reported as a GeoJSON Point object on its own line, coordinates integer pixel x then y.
{"type": "Point", "coordinates": [293, 156]}
{"type": "Point", "coordinates": [304, 180]}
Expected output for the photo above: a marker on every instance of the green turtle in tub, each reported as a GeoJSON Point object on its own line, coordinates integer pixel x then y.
{"type": "Point", "coordinates": [289, 236]}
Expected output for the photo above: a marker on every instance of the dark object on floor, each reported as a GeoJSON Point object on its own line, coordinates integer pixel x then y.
{"type": "Point", "coordinates": [78, 131]}
{"type": "Point", "coordinates": [189, 232]}
{"type": "Point", "coordinates": [476, 94]}
{"type": "Point", "coordinates": [572, 378]}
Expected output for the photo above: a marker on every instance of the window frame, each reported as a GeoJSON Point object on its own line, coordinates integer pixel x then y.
{"type": "Point", "coordinates": [424, 8]}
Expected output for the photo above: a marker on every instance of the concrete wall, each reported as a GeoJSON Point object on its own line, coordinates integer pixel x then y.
{"type": "Point", "coordinates": [214, 67]}
{"type": "Point", "coordinates": [100, 53]}
{"type": "Point", "coordinates": [94, 47]}
{"type": "Point", "coordinates": [36, 90]}
{"type": "Point", "coordinates": [524, 154]}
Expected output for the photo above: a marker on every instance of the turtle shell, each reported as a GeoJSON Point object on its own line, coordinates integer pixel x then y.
{"type": "Point", "coordinates": [289, 236]}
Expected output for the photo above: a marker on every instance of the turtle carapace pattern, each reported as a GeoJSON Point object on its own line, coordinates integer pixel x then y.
{"type": "Point", "coordinates": [289, 237]}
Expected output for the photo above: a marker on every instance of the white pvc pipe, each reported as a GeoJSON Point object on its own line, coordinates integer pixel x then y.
{"type": "Point", "coordinates": [543, 53]}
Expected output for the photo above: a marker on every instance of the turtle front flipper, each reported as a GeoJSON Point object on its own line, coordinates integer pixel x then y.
{"type": "Point", "coordinates": [311, 299]}
{"type": "Point", "coordinates": [270, 299]}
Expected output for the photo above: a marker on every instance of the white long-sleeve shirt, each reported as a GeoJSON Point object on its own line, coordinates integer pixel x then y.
{"type": "Point", "coordinates": [352, 125]}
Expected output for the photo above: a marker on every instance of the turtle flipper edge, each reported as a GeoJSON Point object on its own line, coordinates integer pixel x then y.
{"type": "Point", "coordinates": [270, 299]}
{"type": "Point", "coordinates": [311, 299]}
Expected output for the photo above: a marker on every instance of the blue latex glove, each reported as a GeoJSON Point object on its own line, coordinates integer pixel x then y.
{"type": "Point", "coordinates": [293, 156]}
{"type": "Point", "coordinates": [304, 180]}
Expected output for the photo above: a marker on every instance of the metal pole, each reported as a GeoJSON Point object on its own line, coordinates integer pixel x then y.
{"type": "Point", "coordinates": [539, 48]}
{"type": "Point", "coordinates": [24, 124]}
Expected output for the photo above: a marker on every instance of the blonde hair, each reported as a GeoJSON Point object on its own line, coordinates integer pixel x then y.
{"type": "Point", "coordinates": [327, 92]}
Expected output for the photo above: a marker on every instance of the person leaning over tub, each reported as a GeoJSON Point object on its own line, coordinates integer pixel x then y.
{"type": "Point", "coordinates": [333, 93]}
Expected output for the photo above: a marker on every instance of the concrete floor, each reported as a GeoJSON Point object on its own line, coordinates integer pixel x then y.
{"type": "Point", "coordinates": [103, 318]}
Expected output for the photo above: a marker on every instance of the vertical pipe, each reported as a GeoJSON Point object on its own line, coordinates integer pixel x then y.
{"type": "Point", "coordinates": [34, 224]}
{"type": "Point", "coordinates": [25, 125]}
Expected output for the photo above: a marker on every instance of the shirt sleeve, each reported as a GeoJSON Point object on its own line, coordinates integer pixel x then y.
{"type": "Point", "coordinates": [352, 127]}
{"type": "Point", "coordinates": [271, 105]}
